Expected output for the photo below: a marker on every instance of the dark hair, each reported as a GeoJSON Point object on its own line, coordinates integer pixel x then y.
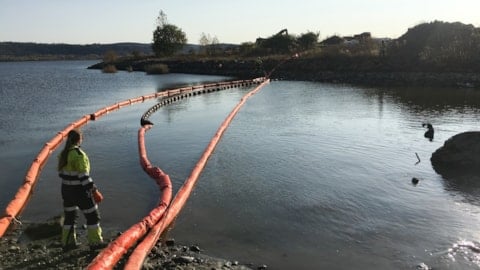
{"type": "Point", "coordinates": [73, 138]}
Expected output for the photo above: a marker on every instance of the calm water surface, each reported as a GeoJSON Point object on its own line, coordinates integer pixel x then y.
{"type": "Point", "coordinates": [308, 175]}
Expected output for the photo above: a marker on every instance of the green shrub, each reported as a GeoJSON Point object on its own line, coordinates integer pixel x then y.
{"type": "Point", "coordinates": [157, 69]}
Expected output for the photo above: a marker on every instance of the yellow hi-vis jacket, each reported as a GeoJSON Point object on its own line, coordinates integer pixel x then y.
{"type": "Point", "coordinates": [77, 169]}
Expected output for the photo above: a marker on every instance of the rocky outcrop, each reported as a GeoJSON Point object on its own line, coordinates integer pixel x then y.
{"type": "Point", "coordinates": [459, 156]}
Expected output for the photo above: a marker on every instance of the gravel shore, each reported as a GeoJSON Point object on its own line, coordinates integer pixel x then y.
{"type": "Point", "coordinates": [37, 246]}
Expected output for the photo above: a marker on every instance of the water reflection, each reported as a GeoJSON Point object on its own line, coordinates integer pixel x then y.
{"type": "Point", "coordinates": [320, 172]}
{"type": "Point", "coordinates": [441, 100]}
{"type": "Point", "coordinates": [168, 84]}
{"type": "Point", "coordinates": [439, 106]}
{"type": "Point", "coordinates": [465, 249]}
{"type": "Point", "coordinates": [466, 185]}
{"type": "Point", "coordinates": [427, 100]}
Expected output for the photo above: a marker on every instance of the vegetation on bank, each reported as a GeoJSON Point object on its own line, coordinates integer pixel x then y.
{"type": "Point", "coordinates": [429, 48]}
{"type": "Point", "coordinates": [429, 54]}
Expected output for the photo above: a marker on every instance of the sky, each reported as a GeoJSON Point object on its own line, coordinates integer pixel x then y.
{"type": "Point", "coordinates": [231, 21]}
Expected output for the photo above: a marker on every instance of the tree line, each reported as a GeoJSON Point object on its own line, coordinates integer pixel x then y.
{"type": "Point", "coordinates": [434, 46]}
{"type": "Point", "coordinates": [168, 39]}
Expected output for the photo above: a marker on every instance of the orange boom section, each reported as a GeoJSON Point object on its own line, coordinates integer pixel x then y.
{"type": "Point", "coordinates": [109, 256]}
{"type": "Point", "coordinates": [161, 216]}
{"type": "Point", "coordinates": [136, 259]}
{"type": "Point", "coordinates": [18, 203]}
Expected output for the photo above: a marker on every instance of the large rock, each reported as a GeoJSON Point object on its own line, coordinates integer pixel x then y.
{"type": "Point", "coordinates": [460, 155]}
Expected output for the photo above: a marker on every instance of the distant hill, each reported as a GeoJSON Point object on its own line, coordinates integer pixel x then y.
{"type": "Point", "coordinates": [21, 51]}
{"type": "Point", "coordinates": [17, 51]}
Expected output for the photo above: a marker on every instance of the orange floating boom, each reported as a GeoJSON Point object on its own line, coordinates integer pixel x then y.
{"type": "Point", "coordinates": [16, 205]}
{"type": "Point", "coordinates": [109, 256]}
{"type": "Point", "coordinates": [137, 231]}
{"type": "Point", "coordinates": [136, 259]}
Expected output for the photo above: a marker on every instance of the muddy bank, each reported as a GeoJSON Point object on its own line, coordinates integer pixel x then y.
{"type": "Point", "coordinates": [364, 71]}
{"type": "Point", "coordinates": [37, 246]}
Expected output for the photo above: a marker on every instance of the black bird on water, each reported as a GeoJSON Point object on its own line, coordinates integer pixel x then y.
{"type": "Point", "coordinates": [429, 133]}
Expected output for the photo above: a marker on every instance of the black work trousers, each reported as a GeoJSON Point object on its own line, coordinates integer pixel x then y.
{"type": "Point", "coordinates": [76, 197]}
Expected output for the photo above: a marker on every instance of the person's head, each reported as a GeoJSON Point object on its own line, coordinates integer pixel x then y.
{"type": "Point", "coordinates": [74, 137]}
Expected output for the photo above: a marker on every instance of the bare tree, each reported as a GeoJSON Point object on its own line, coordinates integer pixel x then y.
{"type": "Point", "coordinates": [161, 19]}
{"type": "Point", "coordinates": [209, 44]}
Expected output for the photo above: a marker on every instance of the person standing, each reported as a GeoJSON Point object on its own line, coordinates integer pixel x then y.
{"type": "Point", "coordinates": [77, 193]}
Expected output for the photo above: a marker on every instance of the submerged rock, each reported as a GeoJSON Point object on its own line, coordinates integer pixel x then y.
{"type": "Point", "coordinates": [460, 155]}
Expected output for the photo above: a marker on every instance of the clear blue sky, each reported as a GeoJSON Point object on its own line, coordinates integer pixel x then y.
{"type": "Point", "coordinates": [231, 21]}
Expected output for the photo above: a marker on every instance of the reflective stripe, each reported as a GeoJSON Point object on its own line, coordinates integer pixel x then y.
{"type": "Point", "coordinates": [93, 226]}
{"type": "Point", "coordinates": [86, 181]}
{"type": "Point", "coordinates": [71, 182]}
{"type": "Point", "coordinates": [71, 208]}
{"type": "Point", "coordinates": [90, 210]}
{"type": "Point", "coordinates": [67, 227]}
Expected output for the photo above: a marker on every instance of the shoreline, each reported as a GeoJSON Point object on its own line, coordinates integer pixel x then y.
{"type": "Point", "coordinates": [37, 246]}
{"type": "Point", "coordinates": [310, 69]}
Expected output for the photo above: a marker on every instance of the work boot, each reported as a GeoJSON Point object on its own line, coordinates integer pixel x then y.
{"type": "Point", "coordinates": [94, 235]}
{"type": "Point", "coordinates": [69, 237]}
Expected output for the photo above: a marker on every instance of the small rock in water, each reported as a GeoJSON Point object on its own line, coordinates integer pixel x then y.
{"type": "Point", "coordinates": [415, 180]}
{"type": "Point", "coordinates": [262, 267]}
